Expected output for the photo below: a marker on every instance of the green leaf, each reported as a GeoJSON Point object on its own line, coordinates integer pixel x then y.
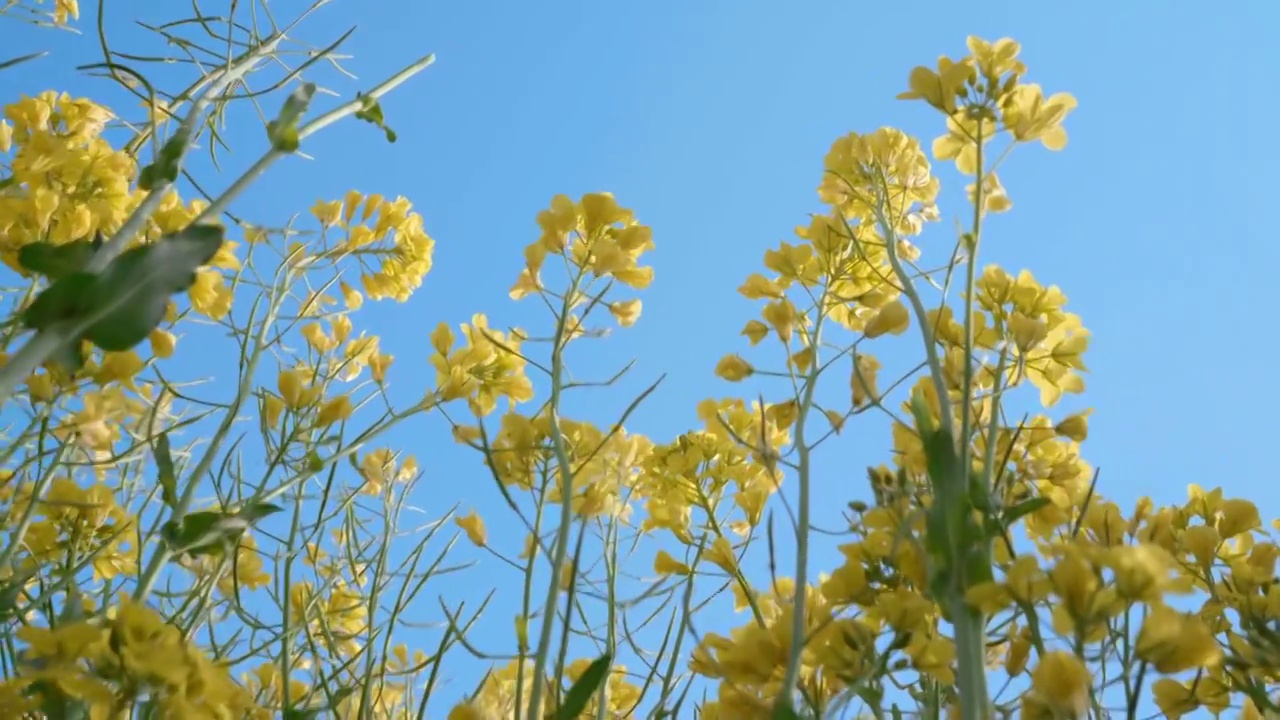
{"type": "Point", "coordinates": [56, 261]}
{"type": "Point", "coordinates": [213, 532]}
{"type": "Point", "coordinates": [166, 167]}
{"type": "Point", "coordinates": [587, 684]}
{"type": "Point", "coordinates": [24, 58]}
{"type": "Point", "coordinates": [943, 466]}
{"type": "Point", "coordinates": [315, 712]}
{"type": "Point", "coordinates": [371, 112]}
{"type": "Point", "coordinates": [1023, 509]}
{"type": "Point", "coordinates": [164, 470]}
{"type": "Point", "coordinates": [11, 592]}
{"type": "Point", "coordinates": [782, 710]}
{"type": "Point", "coordinates": [284, 139]}
{"type": "Point", "coordinates": [66, 299]}
{"type": "Point", "coordinates": [54, 703]}
{"type": "Point", "coordinates": [871, 694]}
{"type": "Point", "coordinates": [72, 607]}
{"type": "Point", "coordinates": [128, 299]}
{"type": "Point", "coordinates": [9, 595]}
{"type": "Point", "coordinates": [283, 131]}
{"type": "Point", "coordinates": [69, 356]}
{"type": "Point", "coordinates": [314, 462]}
{"type": "Point", "coordinates": [200, 533]}
{"type": "Point", "coordinates": [257, 511]}
{"type": "Point", "coordinates": [920, 411]}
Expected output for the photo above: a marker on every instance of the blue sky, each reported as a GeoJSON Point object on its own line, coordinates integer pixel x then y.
{"type": "Point", "coordinates": [710, 119]}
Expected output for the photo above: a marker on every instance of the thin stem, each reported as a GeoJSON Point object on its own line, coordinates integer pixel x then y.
{"type": "Point", "coordinates": [164, 552]}
{"type": "Point", "coordinates": [566, 502]}
{"type": "Point", "coordinates": [970, 625]}
{"type": "Point", "coordinates": [217, 207]}
{"type": "Point", "coordinates": [971, 269]}
{"type": "Point", "coordinates": [922, 318]}
{"type": "Point", "coordinates": [804, 451]}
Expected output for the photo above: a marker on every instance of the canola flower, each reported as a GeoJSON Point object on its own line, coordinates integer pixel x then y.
{"type": "Point", "coordinates": [1179, 601]}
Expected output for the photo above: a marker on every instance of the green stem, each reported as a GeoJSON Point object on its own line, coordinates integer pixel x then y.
{"type": "Point", "coordinates": [566, 502]}
{"type": "Point", "coordinates": [798, 605]}
{"type": "Point", "coordinates": [970, 625]}
{"type": "Point", "coordinates": [971, 660]}
{"type": "Point", "coordinates": [922, 317]}
{"type": "Point", "coordinates": [218, 206]}
{"type": "Point", "coordinates": [163, 553]}
{"type": "Point", "coordinates": [971, 273]}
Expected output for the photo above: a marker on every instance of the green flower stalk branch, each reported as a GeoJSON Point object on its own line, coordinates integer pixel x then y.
{"type": "Point", "coordinates": [803, 523]}
{"type": "Point", "coordinates": [565, 471]}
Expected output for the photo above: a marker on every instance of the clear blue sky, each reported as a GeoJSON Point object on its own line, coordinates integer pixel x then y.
{"type": "Point", "coordinates": [711, 119]}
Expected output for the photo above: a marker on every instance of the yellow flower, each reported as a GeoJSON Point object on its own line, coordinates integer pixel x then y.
{"type": "Point", "coordinates": [862, 381]}
{"type": "Point", "coordinates": [468, 711]}
{"type": "Point", "coordinates": [626, 312]}
{"type": "Point", "coordinates": [272, 409]}
{"type": "Point", "coordinates": [149, 648]}
{"type": "Point", "coordinates": [209, 294]}
{"type": "Point", "coordinates": [473, 525]}
{"type": "Point", "coordinates": [1019, 653]}
{"type": "Point", "coordinates": [489, 367]}
{"type": "Point", "coordinates": [989, 597]}
{"type": "Point", "coordinates": [378, 364]}
{"type": "Point", "coordinates": [162, 343]}
{"type": "Point", "coordinates": [939, 89]}
{"type": "Point", "coordinates": [995, 199]}
{"type": "Point", "coordinates": [664, 564]}
{"type": "Point", "coordinates": [379, 468]}
{"type": "Point", "coordinates": [327, 212]}
{"type": "Point", "coordinates": [225, 258]}
{"type": "Point", "coordinates": [959, 144]}
{"type": "Point", "coordinates": [317, 338]}
{"type": "Point", "coordinates": [1141, 571]}
{"type": "Point", "coordinates": [1029, 116]}
{"type": "Point", "coordinates": [1075, 427]}
{"type": "Point", "coordinates": [247, 570]}
{"type": "Point", "coordinates": [1202, 542]}
{"type": "Point", "coordinates": [41, 387]}
{"type": "Point", "coordinates": [64, 10]}
{"type": "Point", "coordinates": [755, 331]}
{"type": "Point", "coordinates": [721, 555]}
{"type": "Point", "coordinates": [68, 642]}
{"type": "Point", "coordinates": [118, 367]}
{"type": "Point", "coordinates": [995, 58]}
{"type": "Point", "coordinates": [1061, 682]}
{"type": "Point", "coordinates": [783, 317]}
{"type": "Point", "coordinates": [442, 339]}
{"type": "Point", "coordinates": [1175, 642]}
{"type": "Point", "coordinates": [1237, 517]}
{"type": "Point", "coordinates": [294, 389]}
{"type": "Point", "coordinates": [733, 368]}
{"type": "Point", "coordinates": [892, 318]}
{"type": "Point", "coordinates": [1174, 699]}
{"type": "Point", "coordinates": [335, 410]}
{"type": "Point", "coordinates": [1076, 583]}
{"type": "Point", "coordinates": [350, 296]}
{"type": "Point", "coordinates": [527, 284]}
